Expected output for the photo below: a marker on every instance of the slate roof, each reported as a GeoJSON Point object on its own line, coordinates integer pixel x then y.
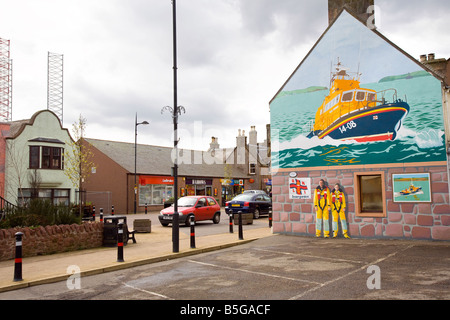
{"type": "Point", "coordinates": [157, 160]}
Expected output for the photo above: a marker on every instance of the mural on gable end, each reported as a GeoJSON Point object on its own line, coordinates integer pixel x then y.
{"type": "Point", "coordinates": [356, 99]}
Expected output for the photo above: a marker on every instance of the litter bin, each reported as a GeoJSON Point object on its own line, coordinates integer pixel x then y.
{"type": "Point", "coordinates": [110, 230]}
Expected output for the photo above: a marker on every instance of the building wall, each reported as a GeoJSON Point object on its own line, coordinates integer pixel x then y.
{"type": "Point", "coordinates": [4, 132]}
{"type": "Point", "coordinates": [109, 180]}
{"type": "Point", "coordinates": [343, 143]}
{"type": "Point", "coordinates": [429, 220]}
{"type": "Point", "coordinates": [43, 124]}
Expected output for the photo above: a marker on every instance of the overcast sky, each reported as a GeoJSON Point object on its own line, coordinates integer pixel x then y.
{"type": "Point", "coordinates": [233, 57]}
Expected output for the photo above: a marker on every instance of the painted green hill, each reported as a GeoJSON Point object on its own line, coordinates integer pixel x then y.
{"type": "Point", "coordinates": [410, 75]}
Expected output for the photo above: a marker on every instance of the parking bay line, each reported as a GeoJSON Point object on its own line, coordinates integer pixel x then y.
{"type": "Point", "coordinates": [254, 272]}
{"type": "Point", "coordinates": [146, 291]}
{"type": "Point", "coordinates": [321, 285]}
{"type": "Point", "coordinates": [308, 256]}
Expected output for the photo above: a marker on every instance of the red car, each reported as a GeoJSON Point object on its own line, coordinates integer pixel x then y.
{"type": "Point", "coordinates": [201, 207]}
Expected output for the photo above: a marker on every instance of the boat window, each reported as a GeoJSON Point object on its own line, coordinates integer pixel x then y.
{"type": "Point", "coordinates": [331, 103]}
{"type": "Point", "coordinates": [347, 96]}
{"type": "Point", "coordinates": [371, 97]}
{"type": "Point", "coordinates": [360, 95]}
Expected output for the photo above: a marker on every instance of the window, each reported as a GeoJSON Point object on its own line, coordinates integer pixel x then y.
{"type": "Point", "coordinates": [360, 95]}
{"type": "Point", "coordinates": [252, 168]}
{"type": "Point", "coordinates": [211, 202]}
{"type": "Point", "coordinates": [46, 157]}
{"type": "Point", "coordinates": [34, 157]}
{"type": "Point", "coordinates": [56, 196]}
{"type": "Point", "coordinates": [370, 194]}
{"type": "Point", "coordinates": [347, 96]}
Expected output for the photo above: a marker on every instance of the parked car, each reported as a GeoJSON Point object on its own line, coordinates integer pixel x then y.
{"type": "Point", "coordinates": [201, 207]}
{"type": "Point", "coordinates": [255, 191]}
{"type": "Point", "coordinates": [256, 203]}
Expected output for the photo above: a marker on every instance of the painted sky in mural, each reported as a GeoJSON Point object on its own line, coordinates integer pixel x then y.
{"type": "Point", "coordinates": [356, 99]}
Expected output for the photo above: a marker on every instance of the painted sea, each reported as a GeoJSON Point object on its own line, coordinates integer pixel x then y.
{"type": "Point", "coordinates": [420, 138]}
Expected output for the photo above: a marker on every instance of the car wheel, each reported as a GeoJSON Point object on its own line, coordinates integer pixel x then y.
{"type": "Point", "coordinates": [256, 214]}
{"type": "Point", "coordinates": [187, 223]}
{"type": "Point", "coordinates": [216, 218]}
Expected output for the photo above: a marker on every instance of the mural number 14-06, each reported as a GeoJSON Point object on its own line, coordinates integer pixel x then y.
{"type": "Point", "coordinates": [350, 125]}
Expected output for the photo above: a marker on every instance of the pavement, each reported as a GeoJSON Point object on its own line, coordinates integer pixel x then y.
{"type": "Point", "coordinates": [263, 266]}
{"type": "Point", "coordinates": [151, 247]}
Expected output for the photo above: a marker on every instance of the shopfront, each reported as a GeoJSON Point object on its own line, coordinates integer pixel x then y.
{"type": "Point", "coordinates": [199, 187]}
{"type": "Point", "coordinates": [155, 190]}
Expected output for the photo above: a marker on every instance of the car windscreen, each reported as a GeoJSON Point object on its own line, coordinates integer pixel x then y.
{"type": "Point", "coordinates": [186, 202]}
{"type": "Point", "coordinates": [244, 197]}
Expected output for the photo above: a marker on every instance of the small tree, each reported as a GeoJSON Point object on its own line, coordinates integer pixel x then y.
{"type": "Point", "coordinates": [78, 158]}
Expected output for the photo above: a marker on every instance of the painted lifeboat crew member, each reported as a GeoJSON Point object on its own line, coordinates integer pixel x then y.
{"type": "Point", "coordinates": [338, 211]}
{"type": "Point", "coordinates": [322, 205]}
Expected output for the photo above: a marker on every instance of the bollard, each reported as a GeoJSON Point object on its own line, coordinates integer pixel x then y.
{"type": "Point", "coordinates": [270, 218]}
{"type": "Point", "coordinates": [146, 208]}
{"type": "Point", "coordinates": [231, 222]}
{"type": "Point", "coordinates": [112, 210]}
{"type": "Point", "coordinates": [18, 259]}
{"type": "Point", "coordinates": [192, 232]}
{"type": "Point", "coordinates": [101, 214]}
{"type": "Point", "coordinates": [120, 242]}
{"type": "Point", "coordinates": [93, 213]}
{"type": "Point", "coordinates": [241, 233]}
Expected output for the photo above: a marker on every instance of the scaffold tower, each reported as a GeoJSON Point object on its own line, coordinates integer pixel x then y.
{"type": "Point", "coordinates": [5, 81]}
{"type": "Point", "coordinates": [55, 84]}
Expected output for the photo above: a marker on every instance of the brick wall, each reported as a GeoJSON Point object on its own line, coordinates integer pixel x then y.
{"type": "Point", "coordinates": [403, 220]}
{"type": "Point", "coordinates": [51, 239]}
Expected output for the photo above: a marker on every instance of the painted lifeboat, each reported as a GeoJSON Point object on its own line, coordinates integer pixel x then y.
{"type": "Point", "coordinates": [350, 112]}
{"type": "Point", "coordinates": [411, 190]}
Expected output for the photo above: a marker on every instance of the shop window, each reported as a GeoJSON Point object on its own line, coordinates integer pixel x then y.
{"type": "Point", "coordinates": [370, 194]}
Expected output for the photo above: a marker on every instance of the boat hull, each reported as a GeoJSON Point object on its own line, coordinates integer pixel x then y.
{"type": "Point", "coordinates": [375, 124]}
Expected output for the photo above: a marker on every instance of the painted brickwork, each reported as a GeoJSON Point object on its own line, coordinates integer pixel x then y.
{"type": "Point", "coordinates": [403, 220]}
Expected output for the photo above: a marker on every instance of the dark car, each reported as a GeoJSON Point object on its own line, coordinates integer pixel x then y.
{"type": "Point", "coordinates": [201, 207]}
{"type": "Point", "coordinates": [256, 203]}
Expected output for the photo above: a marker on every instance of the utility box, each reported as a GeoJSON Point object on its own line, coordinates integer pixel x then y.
{"type": "Point", "coordinates": [142, 225]}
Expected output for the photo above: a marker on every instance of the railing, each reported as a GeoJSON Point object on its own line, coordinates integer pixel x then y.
{"type": "Point", "coordinates": [5, 207]}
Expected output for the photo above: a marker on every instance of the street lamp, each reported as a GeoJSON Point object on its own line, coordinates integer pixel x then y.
{"type": "Point", "coordinates": [135, 159]}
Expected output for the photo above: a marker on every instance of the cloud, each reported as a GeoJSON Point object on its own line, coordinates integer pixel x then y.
{"type": "Point", "coordinates": [233, 56]}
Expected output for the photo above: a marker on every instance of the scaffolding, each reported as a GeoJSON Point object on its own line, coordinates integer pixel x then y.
{"type": "Point", "coordinates": [55, 84]}
{"type": "Point", "coordinates": [5, 81]}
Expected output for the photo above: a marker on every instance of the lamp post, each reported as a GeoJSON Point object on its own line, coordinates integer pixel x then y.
{"type": "Point", "coordinates": [176, 110]}
{"type": "Point", "coordinates": [135, 159]}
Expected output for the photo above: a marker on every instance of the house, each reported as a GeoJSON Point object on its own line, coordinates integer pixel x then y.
{"type": "Point", "coordinates": [218, 172]}
{"type": "Point", "coordinates": [371, 118]}
{"type": "Point", "coordinates": [32, 160]}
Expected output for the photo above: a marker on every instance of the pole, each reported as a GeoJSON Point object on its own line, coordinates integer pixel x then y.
{"type": "Point", "coordinates": [241, 233]}
{"type": "Point", "coordinates": [18, 258]}
{"type": "Point", "coordinates": [175, 221]}
{"type": "Point", "coordinates": [120, 242]}
{"type": "Point", "coordinates": [135, 161]}
{"type": "Point", "coordinates": [101, 214]}
{"type": "Point", "coordinates": [231, 221]}
{"type": "Point", "coordinates": [192, 222]}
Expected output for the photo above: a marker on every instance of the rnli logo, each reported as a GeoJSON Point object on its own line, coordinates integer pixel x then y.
{"type": "Point", "coordinates": [299, 188]}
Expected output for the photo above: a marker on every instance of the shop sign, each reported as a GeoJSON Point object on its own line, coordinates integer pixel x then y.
{"type": "Point", "coordinates": [299, 188]}
{"type": "Point", "coordinates": [144, 180]}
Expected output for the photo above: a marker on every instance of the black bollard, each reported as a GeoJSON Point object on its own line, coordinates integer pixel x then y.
{"type": "Point", "coordinates": [93, 213]}
{"type": "Point", "coordinates": [18, 259]}
{"type": "Point", "coordinates": [146, 208]}
{"type": "Point", "coordinates": [120, 242]}
{"type": "Point", "coordinates": [270, 218]}
{"type": "Point", "coordinates": [112, 210]}
{"type": "Point", "coordinates": [231, 221]}
{"type": "Point", "coordinates": [101, 214]}
{"type": "Point", "coordinates": [241, 233]}
{"type": "Point", "coordinates": [192, 232]}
